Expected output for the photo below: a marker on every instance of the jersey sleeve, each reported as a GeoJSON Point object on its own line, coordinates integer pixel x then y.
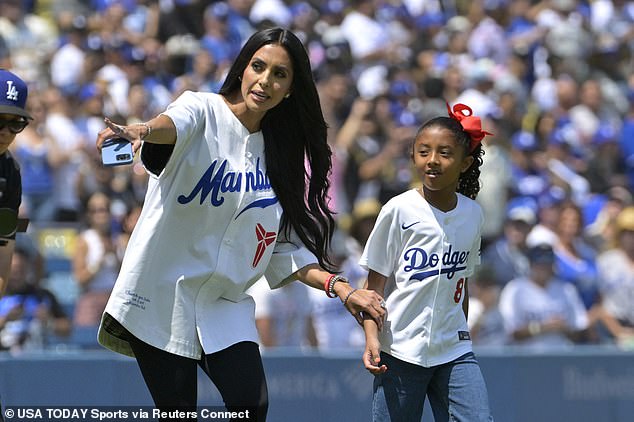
{"type": "Point", "coordinates": [381, 247]}
{"type": "Point", "coordinates": [188, 112]}
{"type": "Point", "coordinates": [289, 256]}
{"type": "Point", "coordinates": [261, 294]}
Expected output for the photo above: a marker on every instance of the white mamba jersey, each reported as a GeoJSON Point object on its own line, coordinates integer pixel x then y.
{"type": "Point", "coordinates": [208, 230]}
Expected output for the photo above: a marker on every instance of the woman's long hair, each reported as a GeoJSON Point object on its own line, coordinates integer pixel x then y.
{"type": "Point", "coordinates": [468, 184]}
{"type": "Point", "coordinates": [295, 136]}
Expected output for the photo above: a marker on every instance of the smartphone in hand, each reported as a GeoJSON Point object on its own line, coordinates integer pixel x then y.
{"type": "Point", "coordinates": [116, 152]}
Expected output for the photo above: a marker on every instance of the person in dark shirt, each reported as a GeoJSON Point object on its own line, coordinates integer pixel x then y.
{"type": "Point", "coordinates": [13, 119]}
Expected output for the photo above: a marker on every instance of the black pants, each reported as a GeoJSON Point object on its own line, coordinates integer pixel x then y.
{"type": "Point", "coordinates": [237, 372]}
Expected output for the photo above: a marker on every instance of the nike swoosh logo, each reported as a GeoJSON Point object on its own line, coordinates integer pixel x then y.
{"type": "Point", "coordinates": [404, 227]}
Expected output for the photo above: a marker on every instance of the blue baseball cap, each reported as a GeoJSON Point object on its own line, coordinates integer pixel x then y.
{"type": "Point", "coordinates": [522, 208]}
{"type": "Point", "coordinates": [541, 254]}
{"type": "Point", "coordinates": [13, 93]}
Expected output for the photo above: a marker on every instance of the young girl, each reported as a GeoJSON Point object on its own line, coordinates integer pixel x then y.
{"type": "Point", "coordinates": [424, 245]}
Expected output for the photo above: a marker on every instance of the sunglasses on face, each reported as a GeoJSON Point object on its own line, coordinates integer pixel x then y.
{"type": "Point", "coordinates": [14, 126]}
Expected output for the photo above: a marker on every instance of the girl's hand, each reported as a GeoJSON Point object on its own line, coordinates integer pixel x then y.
{"type": "Point", "coordinates": [372, 359]}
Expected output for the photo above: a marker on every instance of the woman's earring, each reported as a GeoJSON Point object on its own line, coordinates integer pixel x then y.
{"type": "Point", "coordinates": [287, 95]}
{"type": "Point", "coordinates": [240, 78]}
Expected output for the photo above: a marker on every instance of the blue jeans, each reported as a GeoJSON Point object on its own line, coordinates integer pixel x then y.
{"type": "Point", "coordinates": [456, 391]}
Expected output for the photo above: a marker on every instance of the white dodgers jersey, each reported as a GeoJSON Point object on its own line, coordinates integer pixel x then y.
{"type": "Point", "coordinates": [427, 255]}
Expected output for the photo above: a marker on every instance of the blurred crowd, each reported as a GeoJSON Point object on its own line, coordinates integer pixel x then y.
{"type": "Point", "coordinates": [552, 79]}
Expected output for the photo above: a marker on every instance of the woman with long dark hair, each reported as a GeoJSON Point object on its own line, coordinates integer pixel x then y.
{"type": "Point", "coordinates": [238, 189]}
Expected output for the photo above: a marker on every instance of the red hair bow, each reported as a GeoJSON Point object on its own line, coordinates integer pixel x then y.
{"type": "Point", "coordinates": [470, 123]}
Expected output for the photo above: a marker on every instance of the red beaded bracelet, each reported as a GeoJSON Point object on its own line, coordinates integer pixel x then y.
{"type": "Point", "coordinates": [327, 286]}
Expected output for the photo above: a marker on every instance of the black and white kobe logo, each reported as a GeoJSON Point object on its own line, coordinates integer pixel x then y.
{"type": "Point", "coordinates": [12, 92]}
